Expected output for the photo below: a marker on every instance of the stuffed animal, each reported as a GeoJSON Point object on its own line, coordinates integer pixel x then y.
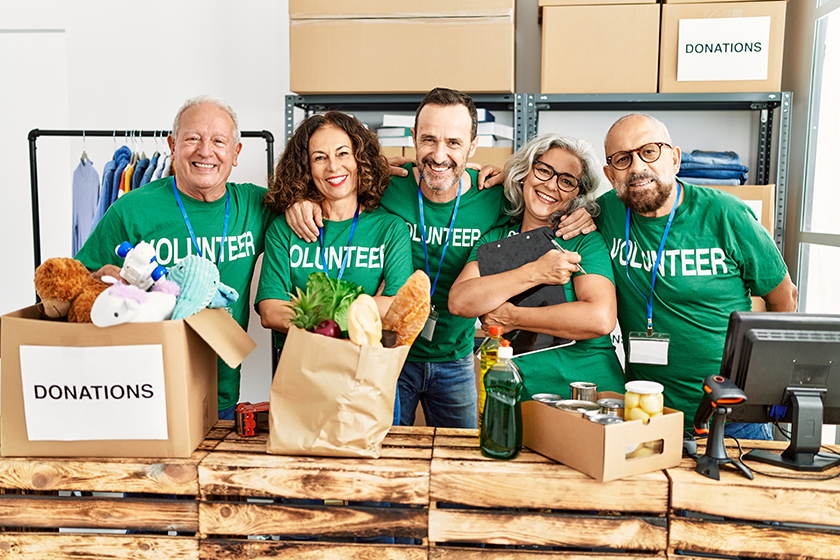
{"type": "Point", "coordinates": [140, 267]}
{"type": "Point", "coordinates": [124, 303]}
{"type": "Point", "coordinates": [200, 287]}
{"type": "Point", "coordinates": [67, 289]}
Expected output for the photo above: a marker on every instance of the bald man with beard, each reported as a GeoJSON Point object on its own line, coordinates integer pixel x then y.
{"type": "Point", "coordinates": [685, 257]}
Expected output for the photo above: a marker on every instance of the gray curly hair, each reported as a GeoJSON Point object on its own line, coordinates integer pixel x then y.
{"type": "Point", "coordinates": [520, 164]}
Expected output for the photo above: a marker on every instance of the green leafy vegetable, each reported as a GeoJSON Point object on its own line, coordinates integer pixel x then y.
{"type": "Point", "coordinates": [335, 295]}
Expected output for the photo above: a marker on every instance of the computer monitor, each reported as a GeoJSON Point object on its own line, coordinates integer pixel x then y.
{"type": "Point", "coordinates": [788, 365]}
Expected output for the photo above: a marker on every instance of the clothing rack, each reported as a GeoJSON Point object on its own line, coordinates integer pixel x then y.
{"type": "Point", "coordinates": [33, 163]}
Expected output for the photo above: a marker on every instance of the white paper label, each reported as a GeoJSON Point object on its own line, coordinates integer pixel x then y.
{"type": "Point", "coordinates": [95, 393]}
{"type": "Point", "coordinates": [723, 49]}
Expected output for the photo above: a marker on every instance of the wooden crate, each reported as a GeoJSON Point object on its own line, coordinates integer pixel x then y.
{"type": "Point", "coordinates": [534, 501]}
{"type": "Point", "coordinates": [768, 517]}
{"type": "Point", "coordinates": [240, 486]}
{"type": "Point", "coordinates": [38, 496]}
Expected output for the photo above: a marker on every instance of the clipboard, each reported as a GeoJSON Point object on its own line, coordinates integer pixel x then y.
{"type": "Point", "coordinates": [510, 253]}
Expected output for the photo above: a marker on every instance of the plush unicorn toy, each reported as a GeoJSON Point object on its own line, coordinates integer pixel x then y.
{"type": "Point", "coordinates": [124, 303]}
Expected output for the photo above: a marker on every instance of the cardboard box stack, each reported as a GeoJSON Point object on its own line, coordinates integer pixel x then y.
{"type": "Point", "coordinates": [363, 46]}
{"type": "Point", "coordinates": [716, 46]}
{"type": "Point", "coordinates": [599, 46]}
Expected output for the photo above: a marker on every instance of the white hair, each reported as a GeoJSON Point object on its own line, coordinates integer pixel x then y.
{"type": "Point", "coordinates": [212, 99]}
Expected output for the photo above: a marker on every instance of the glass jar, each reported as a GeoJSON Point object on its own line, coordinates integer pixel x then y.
{"type": "Point", "coordinates": [643, 400]}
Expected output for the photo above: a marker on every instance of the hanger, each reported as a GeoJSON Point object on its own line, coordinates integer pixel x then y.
{"type": "Point", "coordinates": [84, 152]}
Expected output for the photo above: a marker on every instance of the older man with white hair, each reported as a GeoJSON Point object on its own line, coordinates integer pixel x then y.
{"type": "Point", "coordinates": [195, 212]}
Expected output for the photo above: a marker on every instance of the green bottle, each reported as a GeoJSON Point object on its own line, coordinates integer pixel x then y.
{"type": "Point", "coordinates": [488, 354]}
{"type": "Point", "coordinates": [500, 436]}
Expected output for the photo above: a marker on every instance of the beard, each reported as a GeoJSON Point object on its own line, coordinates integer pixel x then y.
{"type": "Point", "coordinates": [441, 184]}
{"type": "Point", "coordinates": [648, 200]}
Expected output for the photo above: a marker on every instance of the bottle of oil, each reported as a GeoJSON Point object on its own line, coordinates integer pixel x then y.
{"type": "Point", "coordinates": [500, 436]}
{"type": "Point", "coordinates": [488, 354]}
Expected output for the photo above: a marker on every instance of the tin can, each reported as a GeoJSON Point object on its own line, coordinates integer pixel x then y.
{"type": "Point", "coordinates": [613, 407]}
{"type": "Point", "coordinates": [583, 391]}
{"type": "Point", "coordinates": [578, 406]}
{"type": "Point", "coordinates": [547, 398]}
{"type": "Point", "coordinates": [605, 419]}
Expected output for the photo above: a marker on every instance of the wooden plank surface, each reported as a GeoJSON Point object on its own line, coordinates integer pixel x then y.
{"type": "Point", "coordinates": [238, 518]}
{"type": "Point", "coordinates": [454, 525]}
{"type": "Point", "coordinates": [765, 498]}
{"type": "Point", "coordinates": [217, 549]}
{"type": "Point", "coordinates": [543, 485]}
{"type": "Point", "coordinates": [381, 480]}
{"type": "Point", "coordinates": [765, 541]}
{"type": "Point", "coordinates": [164, 476]}
{"type": "Point", "coordinates": [74, 546]}
{"type": "Point", "coordinates": [100, 513]}
{"type": "Point", "coordinates": [461, 553]}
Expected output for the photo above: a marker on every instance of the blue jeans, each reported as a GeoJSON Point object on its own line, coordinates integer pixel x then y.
{"type": "Point", "coordinates": [749, 431]}
{"type": "Point", "coordinates": [721, 160]}
{"type": "Point", "coordinates": [228, 413]}
{"type": "Point", "coordinates": [445, 389]}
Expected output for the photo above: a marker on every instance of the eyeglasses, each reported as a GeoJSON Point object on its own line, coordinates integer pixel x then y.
{"type": "Point", "coordinates": [647, 153]}
{"type": "Point", "coordinates": [565, 182]}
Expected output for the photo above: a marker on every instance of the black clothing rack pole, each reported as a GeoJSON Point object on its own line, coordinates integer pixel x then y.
{"type": "Point", "coordinates": [33, 163]}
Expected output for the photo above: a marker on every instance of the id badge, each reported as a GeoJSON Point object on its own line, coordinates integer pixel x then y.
{"type": "Point", "coordinates": [651, 349]}
{"type": "Point", "coordinates": [429, 328]}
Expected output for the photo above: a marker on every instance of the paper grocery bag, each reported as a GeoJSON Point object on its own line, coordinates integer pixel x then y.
{"type": "Point", "coordinates": [331, 397]}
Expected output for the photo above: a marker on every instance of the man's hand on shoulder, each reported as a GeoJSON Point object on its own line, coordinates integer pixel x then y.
{"type": "Point", "coordinates": [576, 223]}
{"type": "Point", "coordinates": [304, 217]}
{"type": "Point", "coordinates": [488, 175]}
{"type": "Point", "coordinates": [397, 163]}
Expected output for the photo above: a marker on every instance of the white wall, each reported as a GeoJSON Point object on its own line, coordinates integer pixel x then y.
{"type": "Point", "coordinates": [100, 64]}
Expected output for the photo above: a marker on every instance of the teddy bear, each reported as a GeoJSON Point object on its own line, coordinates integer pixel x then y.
{"type": "Point", "coordinates": [66, 288]}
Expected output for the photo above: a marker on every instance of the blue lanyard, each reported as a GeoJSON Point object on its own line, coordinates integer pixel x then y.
{"type": "Point", "coordinates": [189, 225]}
{"type": "Point", "coordinates": [346, 251]}
{"type": "Point", "coordinates": [448, 232]}
{"type": "Point", "coordinates": [649, 302]}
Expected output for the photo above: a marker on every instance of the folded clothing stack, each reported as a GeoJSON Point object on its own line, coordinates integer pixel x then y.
{"type": "Point", "coordinates": [712, 168]}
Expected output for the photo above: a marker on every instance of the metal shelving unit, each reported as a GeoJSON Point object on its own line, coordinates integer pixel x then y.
{"type": "Point", "coordinates": [767, 103]}
{"type": "Point", "coordinates": [527, 107]}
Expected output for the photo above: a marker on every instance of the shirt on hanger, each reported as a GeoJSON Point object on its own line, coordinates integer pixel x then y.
{"type": "Point", "coordinates": [85, 201]}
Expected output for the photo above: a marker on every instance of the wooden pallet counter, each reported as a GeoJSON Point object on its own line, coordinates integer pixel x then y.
{"type": "Point", "coordinates": [787, 515]}
{"type": "Point", "coordinates": [242, 489]}
{"type": "Point", "coordinates": [534, 502]}
{"type": "Point", "coordinates": [40, 495]}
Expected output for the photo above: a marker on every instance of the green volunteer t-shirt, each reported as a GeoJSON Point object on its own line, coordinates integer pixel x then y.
{"type": "Point", "coordinates": [151, 214]}
{"type": "Point", "coordinates": [716, 256]}
{"type": "Point", "coordinates": [478, 212]}
{"type": "Point", "coordinates": [594, 360]}
{"type": "Point", "coordinates": [379, 251]}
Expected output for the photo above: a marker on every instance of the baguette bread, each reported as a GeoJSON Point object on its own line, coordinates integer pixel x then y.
{"type": "Point", "coordinates": [410, 309]}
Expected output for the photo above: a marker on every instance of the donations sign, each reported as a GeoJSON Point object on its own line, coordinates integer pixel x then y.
{"type": "Point", "coordinates": [723, 49]}
{"type": "Point", "coordinates": [94, 393]}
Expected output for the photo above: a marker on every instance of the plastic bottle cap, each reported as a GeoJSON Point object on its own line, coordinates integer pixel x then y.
{"type": "Point", "coordinates": [496, 330]}
{"type": "Point", "coordinates": [643, 387]}
{"type": "Point", "coordinates": [505, 351]}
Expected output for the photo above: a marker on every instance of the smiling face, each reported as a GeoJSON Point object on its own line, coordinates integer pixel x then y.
{"type": "Point", "coordinates": [204, 153]}
{"type": "Point", "coordinates": [645, 188]}
{"type": "Point", "coordinates": [333, 165]}
{"type": "Point", "coordinates": [443, 144]}
{"type": "Point", "coordinates": [542, 198]}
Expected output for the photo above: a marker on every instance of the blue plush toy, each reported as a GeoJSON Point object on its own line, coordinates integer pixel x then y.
{"type": "Point", "coordinates": [200, 286]}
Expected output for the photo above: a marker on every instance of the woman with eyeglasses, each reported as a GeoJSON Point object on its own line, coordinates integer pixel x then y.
{"type": "Point", "coordinates": [549, 177]}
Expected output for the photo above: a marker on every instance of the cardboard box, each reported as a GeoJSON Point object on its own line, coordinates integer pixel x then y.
{"type": "Point", "coordinates": [727, 47]}
{"type": "Point", "coordinates": [761, 198]}
{"type": "Point", "coordinates": [597, 450]}
{"type": "Point", "coordinates": [188, 350]}
{"type": "Point", "coordinates": [482, 156]}
{"type": "Point", "coordinates": [363, 46]}
{"type": "Point", "coordinates": [585, 48]}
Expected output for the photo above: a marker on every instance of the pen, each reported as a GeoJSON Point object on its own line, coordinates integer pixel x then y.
{"type": "Point", "coordinates": [562, 250]}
